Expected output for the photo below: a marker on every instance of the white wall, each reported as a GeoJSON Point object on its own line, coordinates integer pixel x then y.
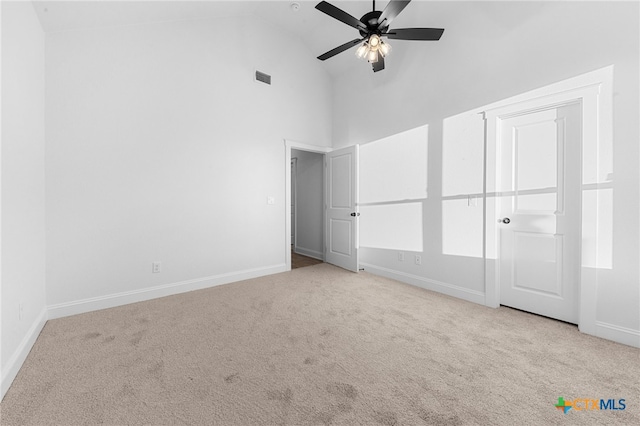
{"type": "Point", "coordinates": [392, 189]}
{"type": "Point", "coordinates": [161, 147]}
{"type": "Point", "coordinates": [310, 203]}
{"type": "Point", "coordinates": [22, 215]}
{"type": "Point", "coordinates": [490, 52]}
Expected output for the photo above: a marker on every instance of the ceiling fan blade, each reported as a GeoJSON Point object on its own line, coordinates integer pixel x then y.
{"type": "Point", "coordinates": [415, 33]}
{"type": "Point", "coordinates": [379, 64]}
{"type": "Point", "coordinates": [391, 11]}
{"type": "Point", "coordinates": [340, 49]}
{"type": "Point", "coordinates": [340, 15]}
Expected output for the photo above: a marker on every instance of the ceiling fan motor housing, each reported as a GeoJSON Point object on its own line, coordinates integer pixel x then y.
{"type": "Point", "coordinates": [371, 21]}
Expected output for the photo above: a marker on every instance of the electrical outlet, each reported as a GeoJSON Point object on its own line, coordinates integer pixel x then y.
{"type": "Point", "coordinates": [271, 200]}
{"type": "Point", "coordinates": [401, 256]}
{"type": "Point", "coordinates": [156, 267]}
{"type": "Point", "coordinates": [418, 259]}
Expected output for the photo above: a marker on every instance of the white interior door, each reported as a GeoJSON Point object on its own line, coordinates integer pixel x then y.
{"type": "Point", "coordinates": [540, 211]}
{"type": "Point", "coordinates": [341, 207]}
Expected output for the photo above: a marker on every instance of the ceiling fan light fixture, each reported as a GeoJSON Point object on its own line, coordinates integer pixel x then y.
{"type": "Point", "coordinates": [385, 48]}
{"type": "Point", "coordinates": [373, 27]}
{"type": "Point", "coordinates": [362, 51]}
{"type": "Point", "coordinates": [373, 49]}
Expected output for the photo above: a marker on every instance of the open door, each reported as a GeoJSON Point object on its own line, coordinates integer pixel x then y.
{"type": "Point", "coordinates": [341, 208]}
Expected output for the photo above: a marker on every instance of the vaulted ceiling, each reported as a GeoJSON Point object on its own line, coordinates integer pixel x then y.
{"type": "Point", "coordinates": [316, 30]}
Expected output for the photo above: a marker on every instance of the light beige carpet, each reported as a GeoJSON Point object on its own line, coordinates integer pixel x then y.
{"type": "Point", "coordinates": [318, 345]}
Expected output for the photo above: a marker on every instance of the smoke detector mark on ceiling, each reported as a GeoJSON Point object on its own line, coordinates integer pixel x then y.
{"type": "Point", "coordinates": [295, 6]}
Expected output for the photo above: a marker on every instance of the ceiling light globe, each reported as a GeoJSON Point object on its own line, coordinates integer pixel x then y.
{"type": "Point", "coordinates": [374, 41]}
{"type": "Point", "coordinates": [385, 48]}
{"type": "Point", "coordinates": [361, 52]}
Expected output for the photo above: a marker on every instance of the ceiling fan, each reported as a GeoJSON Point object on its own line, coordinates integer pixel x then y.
{"type": "Point", "coordinates": [374, 26]}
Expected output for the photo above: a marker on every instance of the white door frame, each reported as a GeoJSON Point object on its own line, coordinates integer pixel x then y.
{"type": "Point", "coordinates": [497, 200]}
{"type": "Point", "coordinates": [288, 146]}
{"type": "Point", "coordinates": [294, 196]}
{"type": "Point", "coordinates": [595, 99]}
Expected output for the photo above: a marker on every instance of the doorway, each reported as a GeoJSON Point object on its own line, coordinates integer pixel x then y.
{"type": "Point", "coordinates": [339, 198]}
{"type": "Point", "coordinates": [307, 208]}
{"type": "Point", "coordinates": [539, 210]}
{"type": "Point", "coordinates": [315, 253]}
{"type": "Point", "coordinates": [591, 92]}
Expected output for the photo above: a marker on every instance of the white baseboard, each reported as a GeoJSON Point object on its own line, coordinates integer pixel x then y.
{"type": "Point", "coordinates": [308, 252]}
{"type": "Point", "coordinates": [428, 284]}
{"type": "Point", "coordinates": [624, 335]}
{"type": "Point", "coordinates": [125, 298]}
{"type": "Point", "coordinates": [14, 364]}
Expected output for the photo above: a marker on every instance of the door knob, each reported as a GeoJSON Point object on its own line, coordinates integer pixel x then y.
{"type": "Point", "coordinates": [355, 214]}
{"type": "Point", "coordinates": [506, 220]}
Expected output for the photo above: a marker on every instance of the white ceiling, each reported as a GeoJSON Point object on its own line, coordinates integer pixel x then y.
{"type": "Point", "coordinates": [316, 30]}
{"type": "Point", "coordinates": [319, 32]}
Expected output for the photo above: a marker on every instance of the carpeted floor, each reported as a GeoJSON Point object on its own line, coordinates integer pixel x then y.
{"type": "Point", "coordinates": [318, 345]}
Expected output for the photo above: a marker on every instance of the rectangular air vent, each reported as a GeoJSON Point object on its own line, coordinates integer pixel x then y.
{"type": "Point", "coordinates": [264, 78]}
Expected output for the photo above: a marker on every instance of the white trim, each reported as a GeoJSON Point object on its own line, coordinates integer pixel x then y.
{"type": "Point", "coordinates": [294, 195]}
{"type": "Point", "coordinates": [2, 380]}
{"type": "Point", "coordinates": [309, 253]}
{"type": "Point", "coordinates": [428, 284]}
{"type": "Point", "coordinates": [127, 297]}
{"type": "Point", "coordinates": [594, 91]}
{"type": "Point", "coordinates": [14, 364]}
{"type": "Point", "coordinates": [306, 147]}
{"type": "Point", "coordinates": [288, 145]}
{"type": "Point", "coordinates": [624, 335]}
